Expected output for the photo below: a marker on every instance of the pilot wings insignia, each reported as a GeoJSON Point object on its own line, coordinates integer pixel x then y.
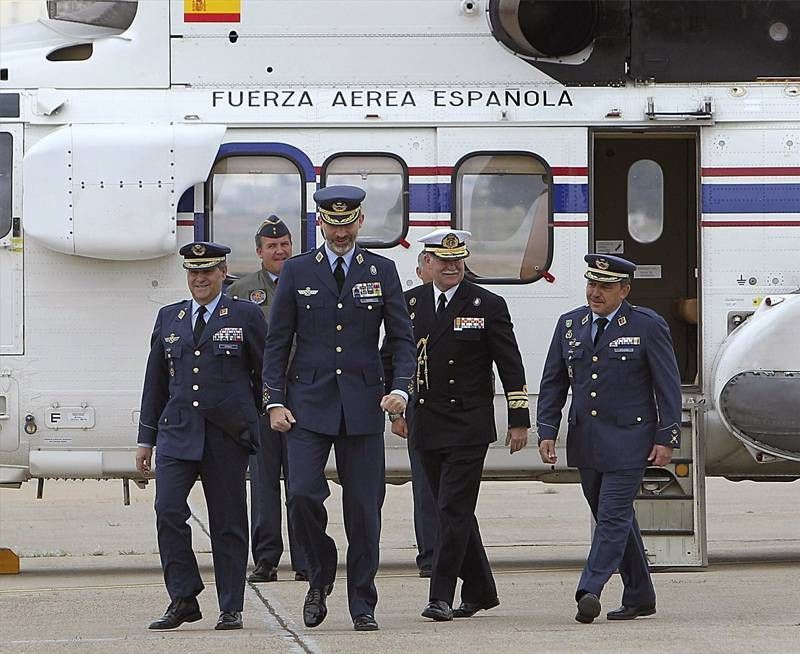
{"type": "Point", "coordinates": [307, 291]}
{"type": "Point", "coordinates": [171, 338]}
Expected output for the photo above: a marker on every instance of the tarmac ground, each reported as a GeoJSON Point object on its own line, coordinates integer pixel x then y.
{"type": "Point", "coordinates": [91, 579]}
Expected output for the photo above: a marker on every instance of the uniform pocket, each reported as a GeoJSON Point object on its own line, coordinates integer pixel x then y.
{"type": "Point", "coordinates": [304, 375]}
{"type": "Point", "coordinates": [231, 356]}
{"type": "Point", "coordinates": [309, 313]}
{"type": "Point", "coordinates": [636, 415]}
{"type": "Point", "coordinates": [468, 335]}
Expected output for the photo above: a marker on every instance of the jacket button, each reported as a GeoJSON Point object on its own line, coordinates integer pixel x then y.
{"type": "Point", "coordinates": [594, 413]}
{"type": "Point", "coordinates": [369, 307]}
{"type": "Point", "coordinates": [638, 418]}
{"type": "Point", "coordinates": [450, 363]}
{"type": "Point", "coordinates": [422, 400]}
{"type": "Point", "coordinates": [623, 358]}
{"type": "Point", "coordinates": [338, 348]}
{"type": "Point", "coordinates": [195, 370]}
{"type": "Point", "coordinates": [595, 359]}
{"type": "Point", "coordinates": [195, 387]}
{"type": "Point", "coordinates": [338, 328]}
{"type": "Point", "coordinates": [452, 381]}
{"type": "Point", "coordinates": [227, 353]}
{"type": "Point", "coordinates": [338, 371]}
{"type": "Point", "coordinates": [594, 375]}
{"type": "Point", "coordinates": [308, 307]}
{"type": "Point", "coordinates": [197, 353]}
{"type": "Point", "coordinates": [452, 401]}
{"type": "Point", "coordinates": [339, 306]}
{"type": "Point", "coordinates": [195, 403]}
{"type": "Point", "coordinates": [593, 394]}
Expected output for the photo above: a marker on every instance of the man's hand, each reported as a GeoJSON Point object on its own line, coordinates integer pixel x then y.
{"type": "Point", "coordinates": [660, 455]}
{"type": "Point", "coordinates": [400, 427]}
{"type": "Point", "coordinates": [547, 450]}
{"type": "Point", "coordinates": [516, 439]}
{"type": "Point", "coordinates": [393, 403]}
{"type": "Point", "coordinates": [144, 457]}
{"type": "Point", "coordinates": [281, 419]}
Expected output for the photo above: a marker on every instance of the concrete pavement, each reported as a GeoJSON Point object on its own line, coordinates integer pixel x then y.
{"type": "Point", "coordinates": [91, 579]}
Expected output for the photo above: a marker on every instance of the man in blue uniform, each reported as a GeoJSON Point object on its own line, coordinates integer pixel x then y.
{"type": "Point", "coordinates": [461, 330]}
{"type": "Point", "coordinates": [200, 410]}
{"type": "Point", "coordinates": [332, 301]}
{"type": "Point", "coordinates": [273, 247]}
{"type": "Point", "coordinates": [625, 415]}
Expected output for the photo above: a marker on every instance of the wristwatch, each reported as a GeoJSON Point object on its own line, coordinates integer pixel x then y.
{"type": "Point", "coordinates": [394, 416]}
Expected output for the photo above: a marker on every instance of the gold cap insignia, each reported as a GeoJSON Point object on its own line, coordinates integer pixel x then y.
{"type": "Point", "coordinates": [339, 206]}
{"type": "Point", "coordinates": [602, 264]}
{"type": "Point", "coordinates": [450, 241]}
{"type": "Point", "coordinates": [198, 249]}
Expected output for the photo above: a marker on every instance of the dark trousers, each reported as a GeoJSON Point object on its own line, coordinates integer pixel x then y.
{"type": "Point", "coordinates": [454, 474]}
{"type": "Point", "coordinates": [424, 511]}
{"type": "Point", "coordinates": [617, 543]}
{"type": "Point", "coordinates": [265, 501]}
{"type": "Point", "coordinates": [222, 472]}
{"type": "Point", "coordinates": [360, 465]}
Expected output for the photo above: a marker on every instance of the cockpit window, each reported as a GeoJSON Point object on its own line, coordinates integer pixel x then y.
{"type": "Point", "coordinates": [116, 14]}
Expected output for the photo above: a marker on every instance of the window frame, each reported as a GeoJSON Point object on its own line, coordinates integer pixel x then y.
{"type": "Point", "coordinates": [208, 225]}
{"type": "Point", "coordinates": [12, 144]}
{"type": "Point", "coordinates": [457, 223]}
{"type": "Point", "coordinates": [374, 244]}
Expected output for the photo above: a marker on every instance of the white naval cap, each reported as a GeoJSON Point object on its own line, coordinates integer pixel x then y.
{"type": "Point", "coordinates": [446, 243]}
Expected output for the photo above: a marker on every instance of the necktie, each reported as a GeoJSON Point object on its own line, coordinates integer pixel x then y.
{"type": "Point", "coordinates": [601, 327]}
{"type": "Point", "coordinates": [199, 324]}
{"type": "Point", "coordinates": [338, 273]}
{"type": "Point", "coordinates": [440, 305]}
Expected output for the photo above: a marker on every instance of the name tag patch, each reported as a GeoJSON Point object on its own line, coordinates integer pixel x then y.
{"type": "Point", "coordinates": [229, 335]}
{"type": "Point", "coordinates": [468, 322]}
{"type": "Point", "coordinates": [367, 292]}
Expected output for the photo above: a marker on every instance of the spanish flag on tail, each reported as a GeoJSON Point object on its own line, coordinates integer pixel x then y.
{"type": "Point", "coordinates": [212, 11]}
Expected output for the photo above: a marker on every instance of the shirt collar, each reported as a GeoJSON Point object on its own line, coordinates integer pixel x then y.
{"type": "Point", "coordinates": [210, 307]}
{"type": "Point", "coordinates": [332, 256]}
{"type": "Point", "coordinates": [448, 294]}
{"type": "Point", "coordinates": [610, 316]}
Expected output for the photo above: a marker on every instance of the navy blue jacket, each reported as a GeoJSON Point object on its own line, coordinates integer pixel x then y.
{"type": "Point", "coordinates": [337, 368]}
{"type": "Point", "coordinates": [626, 392]}
{"type": "Point", "coordinates": [217, 380]}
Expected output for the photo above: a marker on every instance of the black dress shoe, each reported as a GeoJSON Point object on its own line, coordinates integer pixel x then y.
{"type": "Point", "coordinates": [631, 612]}
{"type": "Point", "coordinates": [300, 575]}
{"type": "Point", "coordinates": [263, 573]}
{"type": "Point", "coordinates": [229, 620]}
{"type": "Point", "coordinates": [183, 609]}
{"type": "Point", "coordinates": [588, 608]}
{"type": "Point", "coordinates": [468, 609]}
{"type": "Point", "coordinates": [365, 622]}
{"type": "Point", "coordinates": [438, 610]}
{"type": "Point", "coordinates": [425, 573]}
{"type": "Point", "coordinates": [314, 607]}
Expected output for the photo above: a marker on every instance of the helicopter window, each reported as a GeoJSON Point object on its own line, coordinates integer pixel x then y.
{"type": "Point", "coordinates": [504, 200]}
{"type": "Point", "coordinates": [5, 182]}
{"type": "Point", "coordinates": [645, 201]}
{"type": "Point", "coordinates": [116, 14]}
{"type": "Point", "coordinates": [243, 192]}
{"type": "Point", "coordinates": [384, 177]}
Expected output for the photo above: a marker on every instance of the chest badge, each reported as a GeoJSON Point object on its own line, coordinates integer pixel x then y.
{"type": "Point", "coordinates": [258, 296]}
{"type": "Point", "coordinates": [585, 319]}
{"type": "Point", "coordinates": [412, 301]}
{"type": "Point", "coordinates": [568, 323]}
{"type": "Point", "coordinates": [477, 302]}
{"type": "Point", "coordinates": [307, 291]}
{"type": "Point", "coordinates": [172, 339]}
{"type": "Point", "coordinates": [373, 270]}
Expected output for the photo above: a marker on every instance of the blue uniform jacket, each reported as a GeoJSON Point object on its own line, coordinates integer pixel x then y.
{"type": "Point", "coordinates": [626, 392]}
{"type": "Point", "coordinates": [337, 368]}
{"type": "Point", "coordinates": [217, 380]}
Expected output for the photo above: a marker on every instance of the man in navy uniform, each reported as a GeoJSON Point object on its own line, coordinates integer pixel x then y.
{"type": "Point", "coordinates": [424, 504]}
{"type": "Point", "coordinates": [273, 247]}
{"type": "Point", "coordinates": [332, 301]}
{"type": "Point", "coordinates": [461, 329]}
{"type": "Point", "coordinates": [200, 410]}
{"type": "Point", "coordinates": [625, 415]}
